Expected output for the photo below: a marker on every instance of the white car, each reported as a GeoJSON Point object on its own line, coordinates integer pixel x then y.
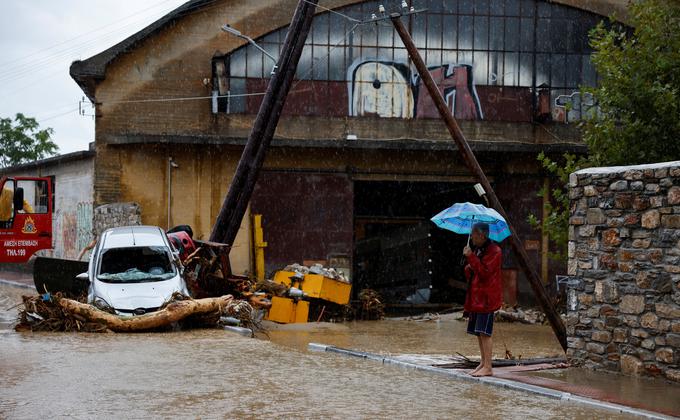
{"type": "Point", "coordinates": [134, 270]}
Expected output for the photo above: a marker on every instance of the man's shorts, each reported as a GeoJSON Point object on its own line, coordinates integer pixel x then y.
{"type": "Point", "coordinates": [479, 324]}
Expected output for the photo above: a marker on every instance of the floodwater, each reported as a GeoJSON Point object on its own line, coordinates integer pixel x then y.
{"type": "Point", "coordinates": [216, 374]}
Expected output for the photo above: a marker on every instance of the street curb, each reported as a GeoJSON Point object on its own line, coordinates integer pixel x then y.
{"type": "Point", "coordinates": [16, 284]}
{"type": "Point", "coordinates": [497, 382]}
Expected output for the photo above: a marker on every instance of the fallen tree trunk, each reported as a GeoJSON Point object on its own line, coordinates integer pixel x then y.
{"type": "Point", "coordinates": [173, 312]}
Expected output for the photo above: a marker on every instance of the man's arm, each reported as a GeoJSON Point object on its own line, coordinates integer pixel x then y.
{"type": "Point", "coordinates": [484, 267]}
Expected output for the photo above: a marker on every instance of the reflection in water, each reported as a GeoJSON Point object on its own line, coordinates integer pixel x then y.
{"type": "Point", "coordinates": [212, 373]}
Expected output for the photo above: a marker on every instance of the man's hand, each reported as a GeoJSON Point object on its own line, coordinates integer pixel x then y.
{"type": "Point", "coordinates": [467, 251]}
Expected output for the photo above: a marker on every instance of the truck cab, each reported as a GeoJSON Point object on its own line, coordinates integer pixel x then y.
{"type": "Point", "coordinates": [25, 217]}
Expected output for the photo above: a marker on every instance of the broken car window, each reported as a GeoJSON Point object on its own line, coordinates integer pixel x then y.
{"type": "Point", "coordinates": [137, 264]}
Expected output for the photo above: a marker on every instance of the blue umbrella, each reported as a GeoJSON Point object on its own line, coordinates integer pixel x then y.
{"type": "Point", "coordinates": [460, 217]}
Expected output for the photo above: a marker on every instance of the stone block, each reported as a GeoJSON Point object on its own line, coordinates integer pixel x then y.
{"type": "Point", "coordinates": [637, 185]}
{"type": "Point", "coordinates": [631, 320]}
{"type": "Point", "coordinates": [664, 355]}
{"type": "Point", "coordinates": [619, 186]}
{"type": "Point", "coordinates": [612, 321]}
{"type": "Point", "coordinates": [661, 173]}
{"type": "Point", "coordinates": [663, 284]}
{"type": "Point", "coordinates": [606, 291]}
{"type": "Point", "coordinates": [585, 299]}
{"type": "Point", "coordinates": [632, 304]}
{"type": "Point", "coordinates": [649, 320]}
{"type": "Point", "coordinates": [665, 310]}
{"type": "Point", "coordinates": [656, 201]}
{"type": "Point", "coordinates": [610, 237]}
{"type": "Point", "coordinates": [631, 219]}
{"type": "Point", "coordinates": [601, 336]}
{"type": "Point", "coordinates": [674, 269]}
{"type": "Point", "coordinates": [648, 343]}
{"type": "Point", "coordinates": [620, 335]}
{"type": "Point", "coordinates": [633, 174]}
{"type": "Point", "coordinates": [586, 231]}
{"type": "Point", "coordinates": [641, 243]}
{"type": "Point", "coordinates": [652, 188]}
{"type": "Point", "coordinates": [640, 203]}
{"type": "Point", "coordinates": [641, 234]}
{"type": "Point", "coordinates": [643, 280]}
{"type": "Point", "coordinates": [626, 267]}
{"type": "Point", "coordinates": [671, 221]}
{"type": "Point", "coordinates": [666, 182]}
{"type": "Point", "coordinates": [573, 180]}
{"type": "Point", "coordinates": [651, 219]}
{"type": "Point", "coordinates": [575, 343]}
{"type": "Point", "coordinates": [590, 191]}
{"type": "Point", "coordinates": [639, 333]}
{"type": "Point", "coordinates": [595, 217]}
{"type": "Point", "coordinates": [673, 196]}
{"type": "Point", "coordinates": [673, 340]}
{"type": "Point", "coordinates": [675, 326]}
{"type": "Point", "coordinates": [631, 365]}
{"type": "Point", "coordinates": [623, 200]}
{"type": "Point", "coordinates": [595, 348]}
{"type": "Point", "coordinates": [577, 220]}
{"type": "Point", "coordinates": [665, 325]}
{"type": "Point", "coordinates": [673, 375]}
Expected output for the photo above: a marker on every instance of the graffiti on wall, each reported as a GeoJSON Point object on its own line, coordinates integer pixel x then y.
{"type": "Point", "coordinates": [72, 230]}
{"type": "Point", "coordinates": [84, 225]}
{"type": "Point", "coordinates": [392, 90]}
{"type": "Point", "coordinates": [575, 107]}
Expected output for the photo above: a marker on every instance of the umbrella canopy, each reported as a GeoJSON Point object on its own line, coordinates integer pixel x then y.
{"type": "Point", "coordinates": [460, 217]}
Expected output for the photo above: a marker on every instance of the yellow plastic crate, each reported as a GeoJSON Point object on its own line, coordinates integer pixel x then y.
{"type": "Point", "coordinates": [283, 277]}
{"type": "Point", "coordinates": [287, 311]}
{"type": "Point", "coordinates": [318, 286]}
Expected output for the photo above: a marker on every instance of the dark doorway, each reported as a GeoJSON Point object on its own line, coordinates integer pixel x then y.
{"type": "Point", "coordinates": [399, 252]}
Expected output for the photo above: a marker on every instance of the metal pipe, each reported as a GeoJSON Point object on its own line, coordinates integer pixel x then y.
{"type": "Point", "coordinates": [474, 167]}
{"type": "Point", "coordinates": [171, 164]}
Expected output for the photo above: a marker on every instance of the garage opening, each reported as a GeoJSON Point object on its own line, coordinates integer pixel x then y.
{"type": "Point", "coordinates": [399, 252]}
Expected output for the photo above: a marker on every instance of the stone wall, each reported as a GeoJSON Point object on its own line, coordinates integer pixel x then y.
{"type": "Point", "coordinates": [623, 309]}
{"type": "Point", "coordinates": [115, 215]}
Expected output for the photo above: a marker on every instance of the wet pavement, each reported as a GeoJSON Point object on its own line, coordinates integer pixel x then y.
{"type": "Point", "coordinates": [212, 373]}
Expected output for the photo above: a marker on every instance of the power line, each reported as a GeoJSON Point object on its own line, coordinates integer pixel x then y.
{"type": "Point", "coordinates": [25, 68]}
{"type": "Point", "coordinates": [44, 61]}
{"type": "Point", "coordinates": [82, 35]}
{"type": "Point", "coordinates": [58, 115]}
{"type": "Point", "coordinates": [334, 11]}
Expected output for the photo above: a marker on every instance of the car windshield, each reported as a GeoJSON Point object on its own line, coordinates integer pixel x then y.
{"type": "Point", "coordinates": [135, 265]}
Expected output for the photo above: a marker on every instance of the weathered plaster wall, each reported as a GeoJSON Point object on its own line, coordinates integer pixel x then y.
{"type": "Point", "coordinates": [624, 251]}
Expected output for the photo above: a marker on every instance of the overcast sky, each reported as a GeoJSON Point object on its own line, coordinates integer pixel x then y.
{"type": "Point", "coordinates": [38, 41]}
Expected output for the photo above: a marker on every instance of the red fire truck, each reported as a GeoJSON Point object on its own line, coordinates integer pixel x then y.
{"type": "Point", "coordinates": [25, 217]}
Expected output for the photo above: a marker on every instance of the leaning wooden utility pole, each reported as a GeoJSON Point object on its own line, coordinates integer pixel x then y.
{"type": "Point", "coordinates": [473, 166]}
{"type": "Point", "coordinates": [247, 172]}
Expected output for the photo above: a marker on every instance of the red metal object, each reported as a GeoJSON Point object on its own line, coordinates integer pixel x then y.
{"type": "Point", "coordinates": [182, 243]}
{"type": "Point", "coordinates": [28, 229]}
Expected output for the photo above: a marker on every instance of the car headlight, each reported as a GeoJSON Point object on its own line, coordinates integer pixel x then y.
{"type": "Point", "coordinates": [101, 304]}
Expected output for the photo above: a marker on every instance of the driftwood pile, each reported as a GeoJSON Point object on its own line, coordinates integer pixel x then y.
{"type": "Point", "coordinates": [371, 306]}
{"type": "Point", "coordinates": [57, 313]}
{"type": "Point", "coordinates": [462, 362]}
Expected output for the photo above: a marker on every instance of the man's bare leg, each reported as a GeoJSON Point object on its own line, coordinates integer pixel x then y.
{"type": "Point", "coordinates": [481, 353]}
{"type": "Point", "coordinates": [487, 345]}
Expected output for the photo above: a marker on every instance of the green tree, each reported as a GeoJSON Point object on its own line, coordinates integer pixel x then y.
{"type": "Point", "coordinates": [638, 91]}
{"type": "Point", "coordinates": [23, 141]}
{"type": "Point", "coordinates": [638, 98]}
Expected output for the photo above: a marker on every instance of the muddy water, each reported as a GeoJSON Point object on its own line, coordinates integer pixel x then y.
{"type": "Point", "coordinates": [211, 373]}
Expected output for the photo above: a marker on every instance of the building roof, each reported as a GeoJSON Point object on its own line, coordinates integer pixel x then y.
{"type": "Point", "coordinates": [87, 72]}
{"type": "Point", "coordinates": [51, 161]}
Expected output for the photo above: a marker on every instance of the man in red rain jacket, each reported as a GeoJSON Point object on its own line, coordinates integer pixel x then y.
{"type": "Point", "coordinates": [484, 295]}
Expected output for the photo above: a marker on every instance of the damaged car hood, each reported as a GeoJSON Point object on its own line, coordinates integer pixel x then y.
{"type": "Point", "coordinates": [128, 297]}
